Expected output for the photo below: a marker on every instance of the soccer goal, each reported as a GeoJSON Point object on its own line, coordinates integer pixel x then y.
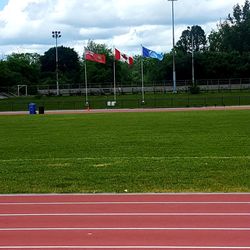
{"type": "Point", "coordinates": [22, 90]}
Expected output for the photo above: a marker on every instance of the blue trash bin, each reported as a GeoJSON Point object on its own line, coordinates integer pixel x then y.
{"type": "Point", "coordinates": [32, 108]}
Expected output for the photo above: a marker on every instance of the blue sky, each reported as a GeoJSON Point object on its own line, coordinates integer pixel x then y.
{"type": "Point", "coordinates": [26, 25]}
{"type": "Point", "coordinates": [3, 3]}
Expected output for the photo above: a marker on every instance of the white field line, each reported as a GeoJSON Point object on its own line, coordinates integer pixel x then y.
{"type": "Point", "coordinates": [126, 157]}
{"type": "Point", "coordinates": [125, 247]}
{"type": "Point", "coordinates": [123, 214]}
{"type": "Point", "coordinates": [124, 202]}
{"type": "Point", "coordinates": [126, 229]}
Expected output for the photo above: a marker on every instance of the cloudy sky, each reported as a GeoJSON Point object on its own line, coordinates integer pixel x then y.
{"type": "Point", "coordinates": [26, 25]}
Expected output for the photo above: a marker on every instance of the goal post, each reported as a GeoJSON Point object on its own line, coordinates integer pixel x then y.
{"type": "Point", "coordinates": [19, 87]}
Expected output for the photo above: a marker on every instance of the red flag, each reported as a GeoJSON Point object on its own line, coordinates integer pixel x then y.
{"type": "Point", "coordinates": [91, 56]}
{"type": "Point", "coordinates": [123, 57]}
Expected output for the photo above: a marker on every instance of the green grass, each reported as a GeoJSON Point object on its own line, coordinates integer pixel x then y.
{"type": "Point", "coordinates": [140, 152]}
{"type": "Point", "coordinates": [130, 101]}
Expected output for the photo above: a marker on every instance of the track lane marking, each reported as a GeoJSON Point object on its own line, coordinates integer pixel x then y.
{"type": "Point", "coordinates": [127, 229]}
{"type": "Point", "coordinates": [126, 194]}
{"type": "Point", "coordinates": [127, 214]}
{"type": "Point", "coordinates": [124, 247]}
{"type": "Point", "coordinates": [124, 202]}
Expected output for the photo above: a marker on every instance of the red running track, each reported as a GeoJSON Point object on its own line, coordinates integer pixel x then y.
{"type": "Point", "coordinates": [134, 221]}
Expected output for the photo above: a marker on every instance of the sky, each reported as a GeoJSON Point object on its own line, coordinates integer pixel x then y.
{"type": "Point", "coordinates": [26, 25]}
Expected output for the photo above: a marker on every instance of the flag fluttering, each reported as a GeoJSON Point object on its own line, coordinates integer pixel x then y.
{"type": "Point", "coordinates": [151, 54]}
{"type": "Point", "coordinates": [91, 56]}
{"type": "Point", "coordinates": [119, 56]}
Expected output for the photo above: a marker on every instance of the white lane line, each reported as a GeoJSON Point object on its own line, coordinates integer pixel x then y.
{"type": "Point", "coordinates": [239, 194]}
{"type": "Point", "coordinates": [124, 214]}
{"type": "Point", "coordinates": [125, 202]}
{"type": "Point", "coordinates": [127, 229]}
{"type": "Point", "coordinates": [125, 247]}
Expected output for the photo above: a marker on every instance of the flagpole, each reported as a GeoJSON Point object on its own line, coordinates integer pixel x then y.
{"type": "Point", "coordinates": [86, 84]}
{"type": "Point", "coordinates": [142, 81]}
{"type": "Point", "coordinates": [114, 78]}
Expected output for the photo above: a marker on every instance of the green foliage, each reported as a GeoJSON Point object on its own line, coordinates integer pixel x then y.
{"type": "Point", "coordinates": [101, 74]}
{"type": "Point", "coordinates": [233, 34]}
{"type": "Point", "coordinates": [140, 152]}
{"type": "Point", "coordinates": [20, 69]}
{"type": "Point", "coordinates": [194, 89]}
{"type": "Point", "coordinates": [6, 76]}
{"type": "Point", "coordinates": [199, 40]}
{"type": "Point", "coordinates": [68, 65]}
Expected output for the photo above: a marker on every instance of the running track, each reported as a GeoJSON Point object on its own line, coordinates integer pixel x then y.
{"type": "Point", "coordinates": [135, 110]}
{"type": "Point", "coordinates": [130, 221]}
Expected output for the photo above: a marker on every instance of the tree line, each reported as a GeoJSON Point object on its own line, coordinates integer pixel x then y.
{"type": "Point", "coordinates": [224, 53]}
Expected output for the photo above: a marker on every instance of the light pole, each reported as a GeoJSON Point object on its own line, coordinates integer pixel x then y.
{"type": "Point", "coordinates": [192, 58]}
{"type": "Point", "coordinates": [174, 72]}
{"type": "Point", "coordinates": [192, 45]}
{"type": "Point", "coordinates": [56, 35]}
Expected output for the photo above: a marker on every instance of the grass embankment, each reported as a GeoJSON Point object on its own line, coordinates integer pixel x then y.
{"type": "Point", "coordinates": [130, 101]}
{"type": "Point", "coordinates": [138, 152]}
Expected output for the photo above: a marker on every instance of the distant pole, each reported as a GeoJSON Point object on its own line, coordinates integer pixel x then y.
{"type": "Point", "coordinates": [191, 35]}
{"type": "Point", "coordinates": [142, 81]}
{"type": "Point", "coordinates": [192, 59]}
{"type": "Point", "coordinates": [56, 35]}
{"type": "Point", "coordinates": [86, 83]}
{"type": "Point", "coordinates": [174, 72]}
{"type": "Point", "coordinates": [114, 81]}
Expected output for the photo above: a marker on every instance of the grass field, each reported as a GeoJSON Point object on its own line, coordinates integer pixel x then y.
{"type": "Point", "coordinates": [139, 152]}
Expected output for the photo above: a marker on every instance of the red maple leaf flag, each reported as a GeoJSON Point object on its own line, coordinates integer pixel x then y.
{"type": "Point", "coordinates": [91, 56]}
{"type": "Point", "coordinates": [123, 57]}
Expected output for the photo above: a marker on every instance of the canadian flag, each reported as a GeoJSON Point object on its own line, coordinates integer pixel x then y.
{"type": "Point", "coordinates": [123, 57]}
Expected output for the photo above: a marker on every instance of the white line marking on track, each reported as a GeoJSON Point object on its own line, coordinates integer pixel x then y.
{"type": "Point", "coordinates": [124, 202]}
{"type": "Point", "coordinates": [126, 194]}
{"type": "Point", "coordinates": [127, 229]}
{"type": "Point", "coordinates": [128, 214]}
{"type": "Point", "coordinates": [124, 247]}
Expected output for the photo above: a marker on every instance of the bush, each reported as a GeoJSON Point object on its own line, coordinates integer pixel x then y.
{"type": "Point", "coordinates": [194, 89]}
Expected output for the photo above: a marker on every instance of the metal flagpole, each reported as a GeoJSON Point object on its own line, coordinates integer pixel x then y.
{"type": "Point", "coordinates": [142, 81]}
{"type": "Point", "coordinates": [174, 72]}
{"type": "Point", "coordinates": [193, 80]}
{"type": "Point", "coordinates": [86, 84]}
{"type": "Point", "coordinates": [114, 78]}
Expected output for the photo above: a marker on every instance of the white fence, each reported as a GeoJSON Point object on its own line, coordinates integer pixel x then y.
{"type": "Point", "coordinates": [164, 86]}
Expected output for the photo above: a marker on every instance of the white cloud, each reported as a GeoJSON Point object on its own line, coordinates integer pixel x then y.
{"type": "Point", "coordinates": [27, 24]}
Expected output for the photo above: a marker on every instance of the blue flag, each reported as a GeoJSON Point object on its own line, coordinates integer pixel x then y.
{"type": "Point", "coordinates": [151, 54]}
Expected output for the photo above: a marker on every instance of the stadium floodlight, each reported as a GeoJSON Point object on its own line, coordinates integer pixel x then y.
{"type": "Point", "coordinates": [174, 72]}
{"type": "Point", "coordinates": [56, 35]}
{"type": "Point", "coordinates": [192, 45]}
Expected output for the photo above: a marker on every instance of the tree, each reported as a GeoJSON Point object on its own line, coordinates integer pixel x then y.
{"type": "Point", "coordinates": [68, 65]}
{"type": "Point", "coordinates": [103, 74]}
{"type": "Point", "coordinates": [234, 33]}
{"type": "Point", "coordinates": [100, 73]}
{"type": "Point", "coordinates": [6, 76]}
{"type": "Point", "coordinates": [24, 67]}
{"type": "Point", "coordinates": [199, 39]}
